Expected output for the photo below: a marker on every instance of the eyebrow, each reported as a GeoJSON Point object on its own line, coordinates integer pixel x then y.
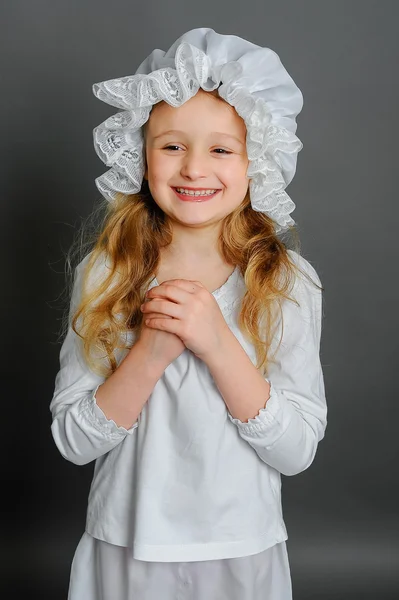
{"type": "Point", "coordinates": [219, 133]}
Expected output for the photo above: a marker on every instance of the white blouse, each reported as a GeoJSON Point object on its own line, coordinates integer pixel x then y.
{"type": "Point", "coordinates": [188, 482]}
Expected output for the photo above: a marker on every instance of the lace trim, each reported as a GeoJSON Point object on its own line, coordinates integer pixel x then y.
{"type": "Point", "coordinates": [119, 140]}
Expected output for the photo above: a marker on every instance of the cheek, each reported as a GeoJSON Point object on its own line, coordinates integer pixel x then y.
{"type": "Point", "coordinates": [236, 173]}
{"type": "Point", "coordinates": [158, 168]}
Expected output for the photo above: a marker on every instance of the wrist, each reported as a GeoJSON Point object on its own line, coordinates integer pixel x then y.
{"type": "Point", "coordinates": [138, 353]}
{"type": "Point", "coordinates": [217, 353]}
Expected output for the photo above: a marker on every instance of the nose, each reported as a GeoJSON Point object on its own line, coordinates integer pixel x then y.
{"type": "Point", "coordinates": [194, 165]}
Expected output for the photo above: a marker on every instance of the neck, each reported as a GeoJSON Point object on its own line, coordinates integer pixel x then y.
{"type": "Point", "coordinates": [193, 246]}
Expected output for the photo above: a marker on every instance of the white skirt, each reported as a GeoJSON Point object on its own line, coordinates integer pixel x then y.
{"type": "Point", "coordinates": [102, 571]}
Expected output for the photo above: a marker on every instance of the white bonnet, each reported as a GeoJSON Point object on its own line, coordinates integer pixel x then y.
{"type": "Point", "coordinates": [251, 78]}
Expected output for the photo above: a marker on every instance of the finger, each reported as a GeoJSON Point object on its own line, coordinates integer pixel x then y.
{"type": "Point", "coordinates": [154, 315]}
{"type": "Point", "coordinates": [164, 324]}
{"type": "Point", "coordinates": [175, 289]}
{"type": "Point", "coordinates": [183, 282]}
{"type": "Point", "coordinates": [163, 306]}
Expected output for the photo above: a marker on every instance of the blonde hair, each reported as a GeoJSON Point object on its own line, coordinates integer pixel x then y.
{"type": "Point", "coordinates": [129, 233]}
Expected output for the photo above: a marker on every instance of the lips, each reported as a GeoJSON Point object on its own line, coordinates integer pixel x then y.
{"type": "Point", "coordinates": [186, 198]}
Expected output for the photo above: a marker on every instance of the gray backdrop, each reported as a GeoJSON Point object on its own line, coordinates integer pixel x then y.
{"type": "Point", "coordinates": [342, 513]}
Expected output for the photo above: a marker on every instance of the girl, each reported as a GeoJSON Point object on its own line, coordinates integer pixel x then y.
{"type": "Point", "coordinates": [190, 371]}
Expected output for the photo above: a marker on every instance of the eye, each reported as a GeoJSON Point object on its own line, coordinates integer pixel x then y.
{"type": "Point", "coordinates": [223, 151]}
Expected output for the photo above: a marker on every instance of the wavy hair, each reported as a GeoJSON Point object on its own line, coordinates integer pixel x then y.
{"type": "Point", "coordinates": [130, 232]}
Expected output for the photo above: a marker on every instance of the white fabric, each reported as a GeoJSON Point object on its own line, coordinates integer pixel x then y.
{"type": "Point", "coordinates": [188, 482]}
{"type": "Point", "coordinates": [253, 81]}
{"type": "Point", "coordinates": [101, 571]}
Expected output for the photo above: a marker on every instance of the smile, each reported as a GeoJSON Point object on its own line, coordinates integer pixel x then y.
{"type": "Point", "coordinates": [195, 196]}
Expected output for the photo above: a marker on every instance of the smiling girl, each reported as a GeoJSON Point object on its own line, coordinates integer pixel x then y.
{"type": "Point", "coordinates": [190, 371]}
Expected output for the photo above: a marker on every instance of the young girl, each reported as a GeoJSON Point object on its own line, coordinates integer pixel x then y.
{"type": "Point", "coordinates": [194, 397]}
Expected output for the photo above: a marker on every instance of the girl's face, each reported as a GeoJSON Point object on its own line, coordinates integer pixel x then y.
{"type": "Point", "coordinates": [199, 145]}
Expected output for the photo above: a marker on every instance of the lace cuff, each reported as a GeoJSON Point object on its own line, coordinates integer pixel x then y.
{"type": "Point", "coordinates": [102, 423]}
{"type": "Point", "coordinates": [264, 420]}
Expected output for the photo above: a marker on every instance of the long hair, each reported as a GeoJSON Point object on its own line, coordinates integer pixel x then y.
{"type": "Point", "coordinates": [128, 235]}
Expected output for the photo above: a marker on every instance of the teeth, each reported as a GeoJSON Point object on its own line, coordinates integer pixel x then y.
{"type": "Point", "coordinates": [194, 193]}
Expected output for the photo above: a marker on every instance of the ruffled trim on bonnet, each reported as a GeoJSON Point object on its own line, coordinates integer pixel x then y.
{"type": "Point", "coordinates": [119, 140]}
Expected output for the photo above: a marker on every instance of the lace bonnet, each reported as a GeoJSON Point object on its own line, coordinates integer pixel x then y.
{"type": "Point", "coordinates": [250, 78]}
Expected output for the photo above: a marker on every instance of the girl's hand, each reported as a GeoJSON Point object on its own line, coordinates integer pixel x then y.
{"type": "Point", "coordinates": [161, 347]}
{"type": "Point", "coordinates": [196, 316]}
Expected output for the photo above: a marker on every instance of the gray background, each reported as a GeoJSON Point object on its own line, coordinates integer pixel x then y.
{"type": "Point", "coordinates": [342, 513]}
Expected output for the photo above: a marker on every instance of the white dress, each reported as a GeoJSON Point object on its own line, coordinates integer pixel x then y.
{"type": "Point", "coordinates": [102, 571]}
{"type": "Point", "coordinates": [186, 504]}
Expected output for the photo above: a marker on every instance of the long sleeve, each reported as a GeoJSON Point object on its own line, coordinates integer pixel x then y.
{"type": "Point", "coordinates": [286, 432]}
{"type": "Point", "coordinates": [79, 427]}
